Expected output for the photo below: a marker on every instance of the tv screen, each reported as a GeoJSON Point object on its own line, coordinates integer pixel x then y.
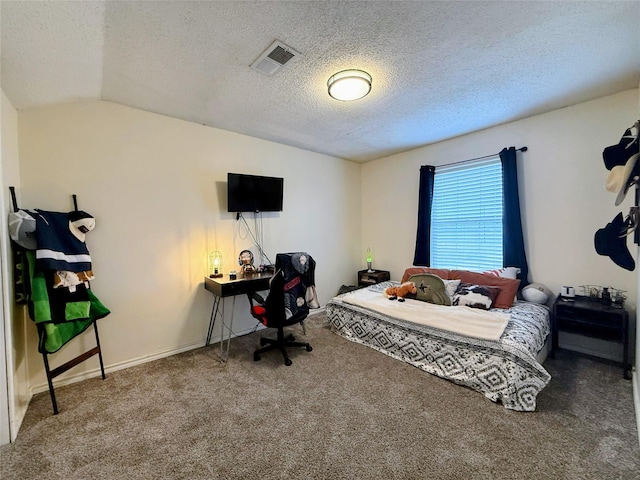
{"type": "Point", "coordinates": [254, 193]}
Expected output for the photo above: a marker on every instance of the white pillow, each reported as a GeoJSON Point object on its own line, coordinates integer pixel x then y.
{"type": "Point", "coordinates": [450, 287]}
{"type": "Point", "coordinates": [506, 272]}
{"type": "Point", "coordinates": [536, 293]}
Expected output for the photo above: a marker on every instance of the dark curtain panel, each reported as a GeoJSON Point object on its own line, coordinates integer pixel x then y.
{"type": "Point", "coordinates": [512, 238]}
{"type": "Point", "coordinates": [422, 255]}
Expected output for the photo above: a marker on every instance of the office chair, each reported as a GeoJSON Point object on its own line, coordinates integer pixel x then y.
{"type": "Point", "coordinates": [291, 295]}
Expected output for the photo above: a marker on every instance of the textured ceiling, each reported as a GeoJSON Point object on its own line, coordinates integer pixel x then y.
{"type": "Point", "coordinates": [440, 68]}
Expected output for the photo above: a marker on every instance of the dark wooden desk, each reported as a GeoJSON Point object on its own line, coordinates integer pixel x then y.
{"type": "Point", "coordinates": [224, 287]}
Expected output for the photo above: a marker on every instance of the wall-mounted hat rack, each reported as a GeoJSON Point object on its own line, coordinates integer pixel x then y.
{"type": "Point", "coordinates": [634, 212]}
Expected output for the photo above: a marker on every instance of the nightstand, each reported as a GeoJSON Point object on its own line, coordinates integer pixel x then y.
{"type": "Point", "coordinates": [366, 278]}
{"type": "Point", "coordinates": [584, 316]}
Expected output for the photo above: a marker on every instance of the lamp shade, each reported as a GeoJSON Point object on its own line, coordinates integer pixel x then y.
{"type": "Point", "coordinates": [349, 85]}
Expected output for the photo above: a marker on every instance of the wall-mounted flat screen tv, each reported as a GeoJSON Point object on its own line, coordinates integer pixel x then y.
{"type": "Point", "coordinates": [254, 193]}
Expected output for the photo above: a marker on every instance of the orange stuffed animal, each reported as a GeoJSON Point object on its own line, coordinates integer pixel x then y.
{"type": "Point", "coordinates": [400, 291]}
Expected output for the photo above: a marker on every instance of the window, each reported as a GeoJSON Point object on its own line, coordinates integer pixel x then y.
{"type": "Point", "coordinates": [466, 216]}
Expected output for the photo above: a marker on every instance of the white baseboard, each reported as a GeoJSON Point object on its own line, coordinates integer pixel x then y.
{"type": "Point", "coordinates": [95, 372]}
{"type": "Point", "coordinates": [19, 414]}
{"type": "Point", "coordinates": [636, 398]}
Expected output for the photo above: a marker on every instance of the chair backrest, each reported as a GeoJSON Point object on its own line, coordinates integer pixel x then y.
{"type": "Point", "coordinates": [288, 299]}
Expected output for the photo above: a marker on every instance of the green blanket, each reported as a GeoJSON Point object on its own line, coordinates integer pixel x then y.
{"type": "Point", "coordinates": [59, 317]}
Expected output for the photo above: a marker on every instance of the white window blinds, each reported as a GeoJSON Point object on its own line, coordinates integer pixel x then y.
{"type": "Point", "coordinates": [466, 216]}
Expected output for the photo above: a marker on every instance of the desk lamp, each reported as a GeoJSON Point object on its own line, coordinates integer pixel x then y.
{"type": "Point", "coordinates": [369, 259]}
{"type": "Point", "coordinates": [215, 264]}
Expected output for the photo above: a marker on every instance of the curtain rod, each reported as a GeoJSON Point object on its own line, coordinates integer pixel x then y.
{"type": "Point", "coordinates": [521, 149]}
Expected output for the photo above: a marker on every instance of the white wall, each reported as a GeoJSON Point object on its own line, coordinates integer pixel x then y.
{"type": "Point", "coordinates": [13, 318]}
{"type": "Point", "coordinates": [157, 188]}
{"type": "Point", "coordinates": [562, 193]}
{"type": "Point", "coordinates": [6, 361]}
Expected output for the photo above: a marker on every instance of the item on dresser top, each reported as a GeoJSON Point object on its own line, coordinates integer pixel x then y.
{"type": "Point", "coordinates": [568, 292]}
{"type": "Point", "coordinates": [592, 292]}
{"type": "Point", "coordinates": [369, 258]}
{"type": "Point", "coordinates": [618, 297]}
{"type": "Point", "coordinates": [605, 295]}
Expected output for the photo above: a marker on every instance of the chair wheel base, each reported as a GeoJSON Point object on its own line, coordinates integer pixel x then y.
{"type": "Point", "coordinates": [281, 343]}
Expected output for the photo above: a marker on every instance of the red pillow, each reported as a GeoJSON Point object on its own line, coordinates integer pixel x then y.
{"type": "Point", "coordinates": [508, 286]}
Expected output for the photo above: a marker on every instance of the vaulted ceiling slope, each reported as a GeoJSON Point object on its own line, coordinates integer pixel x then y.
{"type": "Point", "coordinates": [440, 68]}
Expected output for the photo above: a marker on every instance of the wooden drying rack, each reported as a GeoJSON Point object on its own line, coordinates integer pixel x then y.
{"type": "Point", "coordinates": [51, 374]}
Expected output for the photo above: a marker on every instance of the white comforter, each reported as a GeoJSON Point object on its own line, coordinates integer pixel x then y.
{"type": "Point", "coordinates": [472, 322]}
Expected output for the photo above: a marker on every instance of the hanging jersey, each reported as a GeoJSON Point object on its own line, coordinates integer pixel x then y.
{"type": "Point", "coordinates": [61, 243]}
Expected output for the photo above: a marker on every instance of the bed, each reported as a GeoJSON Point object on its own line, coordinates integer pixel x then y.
{"type": "Point", "coordinates": [504, 367]}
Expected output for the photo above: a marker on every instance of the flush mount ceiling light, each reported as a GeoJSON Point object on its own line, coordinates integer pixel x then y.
{"type": "Point", "coordinates": [349, 85]}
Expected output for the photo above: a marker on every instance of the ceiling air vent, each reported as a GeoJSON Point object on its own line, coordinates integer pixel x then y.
{"type": "Point", "coordinates": [274, 58]}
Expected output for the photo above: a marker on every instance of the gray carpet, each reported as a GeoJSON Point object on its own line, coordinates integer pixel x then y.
{"type": "Point", "coordinates": [343, 411]}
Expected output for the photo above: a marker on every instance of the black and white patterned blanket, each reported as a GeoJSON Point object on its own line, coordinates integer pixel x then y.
{"type": "Point", "coordinates": [505, 371]}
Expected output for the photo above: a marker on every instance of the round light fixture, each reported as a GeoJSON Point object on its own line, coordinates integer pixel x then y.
{"type": "Point", "coordinates": [349, 85]}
